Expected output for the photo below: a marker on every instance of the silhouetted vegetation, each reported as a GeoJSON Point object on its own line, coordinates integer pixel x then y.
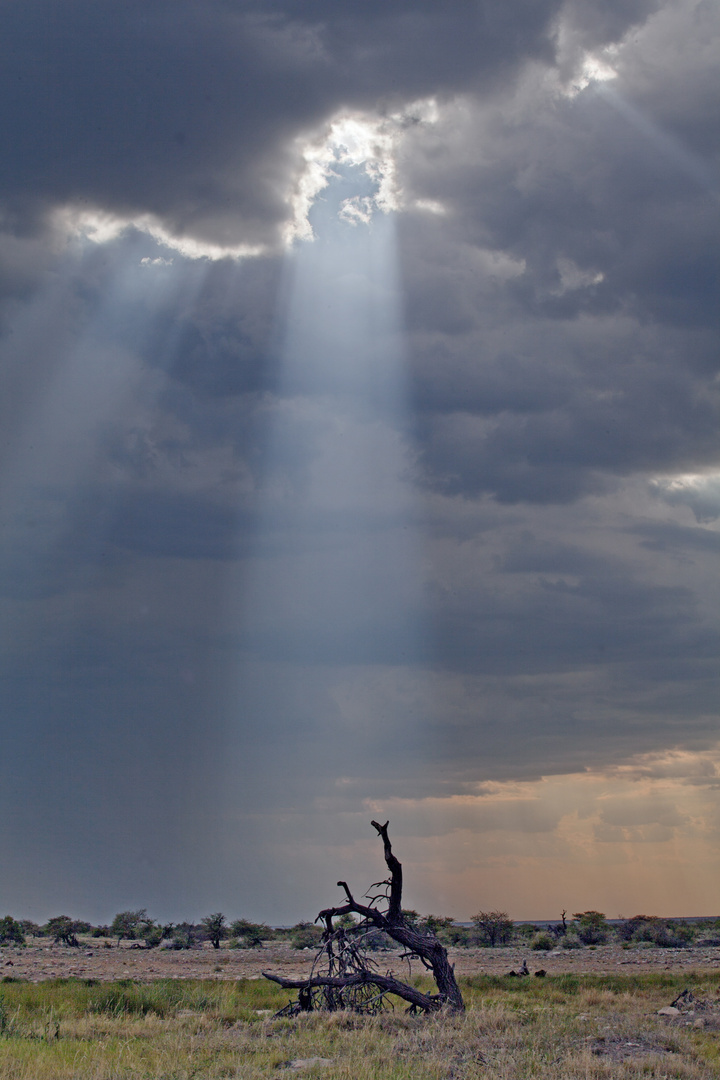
{"type": "Point", "coordinates": [305, 935]}
{"type": "Point", "coordinates": [11, 932]}
{"type": "Point", "coordinates": [63, 930]}
{"type": "Point", "coordinates": [215, 928]}
{"type": "Point", "coordinates": [185, 936]}
{"type": "Point", "coordinates": [493, 927]}
{"type": "Point", "coordinates": [665, 933]}
{"type": "Point", "coordinates": [591, 927]}
{"type": "Point", "coordinates": [344, 976]}
{"type": "Point", "coordinates": [488, 929]}
{"type": "Point", "coordinates": [127, 923]}
{"type": "Point", "coordinates": [250, 935]}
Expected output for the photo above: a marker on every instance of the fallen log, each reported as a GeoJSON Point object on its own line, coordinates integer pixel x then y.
{"type": "Point", "coordinates": [386, 983]}
{"type": "Point", "coordinates": [350, 973]}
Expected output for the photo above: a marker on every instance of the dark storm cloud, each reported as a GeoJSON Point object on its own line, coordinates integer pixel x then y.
{"type": "Point", "coordinates": [188, 111]}
{"type": "Point", "coordinates": [632, 402]}
{"type": "Point", "coordinates": [667, 536]}
{"type": "Point", "coordinates": [582, 345]}
{"type": "Point", "coordinates": [552, 624]}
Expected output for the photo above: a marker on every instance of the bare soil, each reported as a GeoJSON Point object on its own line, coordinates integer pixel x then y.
{"type": "Point", "coordinates": [95, 960]}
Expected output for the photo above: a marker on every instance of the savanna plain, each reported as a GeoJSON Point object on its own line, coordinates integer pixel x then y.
{"type": "Point", "coordinates": [605, 1011]}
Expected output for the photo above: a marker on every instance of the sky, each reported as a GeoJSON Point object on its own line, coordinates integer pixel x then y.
{"type": "Point", "coordinates": [360, 455]}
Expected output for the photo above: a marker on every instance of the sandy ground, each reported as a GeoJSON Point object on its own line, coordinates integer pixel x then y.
{"type": "Point", "coordinates": [37, 961]}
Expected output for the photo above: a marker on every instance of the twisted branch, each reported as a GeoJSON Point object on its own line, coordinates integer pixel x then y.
{"type": "Point", "coordinates": [349, 970]}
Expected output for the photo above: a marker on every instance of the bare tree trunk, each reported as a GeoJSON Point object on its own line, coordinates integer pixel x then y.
{"type": "Point", "coordinates": [419, 942]}
{"type": "Point", "coordinates": [426, 1002]}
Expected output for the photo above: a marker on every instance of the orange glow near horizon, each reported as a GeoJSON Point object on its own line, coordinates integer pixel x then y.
{"type": "Point", "coordinates": [642, 837]}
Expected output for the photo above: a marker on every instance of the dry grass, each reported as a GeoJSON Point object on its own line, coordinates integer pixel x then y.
{"type": "Point", "coordinates": [564, 1028]}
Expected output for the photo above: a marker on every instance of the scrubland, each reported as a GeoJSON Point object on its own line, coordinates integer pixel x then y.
{"type": "Point", "coordinates": [563, 1026]}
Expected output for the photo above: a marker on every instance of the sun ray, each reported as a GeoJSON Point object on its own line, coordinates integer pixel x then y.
{"type": "Point", "coordinates": [332, 591]}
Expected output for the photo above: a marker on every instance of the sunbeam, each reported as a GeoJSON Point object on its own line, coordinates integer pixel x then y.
{"type": "Point", "coordinates": [85, 360]}
{"type": "Point", "coordinates": [331, 601]}
{"type": "Point", "coordinates": [671, 148]}
{"type": "Point", "coordinates": [77, 361]}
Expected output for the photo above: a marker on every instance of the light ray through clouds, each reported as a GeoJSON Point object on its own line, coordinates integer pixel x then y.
{"type": "Point", "coordinates": [672, 149]}
{"type": "Point", "coordinates": [82, 341]}
{"type": "Point", "coordinates": [75, 359]}
{"type": "Point", "coordinates": [599, 76]}
{"type": "Point", "coordinates": [700, 492]}
{"type": "Point", "coordinates": [332, 595]}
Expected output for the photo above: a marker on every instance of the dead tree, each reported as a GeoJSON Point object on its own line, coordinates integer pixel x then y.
{"type": "Point", "coordinates": [351, 979]}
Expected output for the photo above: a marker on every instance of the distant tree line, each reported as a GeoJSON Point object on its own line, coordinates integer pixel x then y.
{"type": "Point", "coordinates": [142, 931]}
{"type": "Point", "coordinates": [488, 929]}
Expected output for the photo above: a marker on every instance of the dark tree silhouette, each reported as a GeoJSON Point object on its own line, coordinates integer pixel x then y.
{"type": "Point", "coordinates": [63, 929]}
{"type": "Point", "coordinates": [215, 928]}
{"type": "Point", "coordinates": [351, 979]}
{"type": "Point", "coordinates": [494, 927]}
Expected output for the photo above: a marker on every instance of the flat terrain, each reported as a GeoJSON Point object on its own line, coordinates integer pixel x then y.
{"type": "Point", "coordinates": [631, 1026]}
{"type": "Point", "coordinates": [41, 961]}
{"type": "Point", "coordinates": [600, 1013]}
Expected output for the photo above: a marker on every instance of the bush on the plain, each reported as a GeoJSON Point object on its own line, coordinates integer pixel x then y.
{"type": "Point", "coordinates": [62, 929]}
{"type": "Point", "coordinates": [591, 927]}
{"type": "Point", "coordinates": [126, 924]}
{"type": "Point", "coordinates": [305, 935]}
{"type": "Point", "coordinates": [543, 942]}
{"type": "Point", "coordinates": [493, 927]}
{"type": "Point", "coordinates": [249, 935]}
{"type": "Point", "coordinates": [215, 928]}
{"type": "Point", "coordinates": [11, 932]}
{"type": "Point", "coordinates": [651, 929]}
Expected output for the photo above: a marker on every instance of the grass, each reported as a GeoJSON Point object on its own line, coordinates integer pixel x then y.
{"type": "Point", "coordinates": [566, 1027]}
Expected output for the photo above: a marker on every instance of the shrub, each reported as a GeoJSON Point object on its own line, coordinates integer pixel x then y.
{"type": "Point", "coordinates": [543, 942]}
{"type": "Point", "coordinates": [376, 941]}
{"type": "Point", "coordinates": [305, 935]}
{"type": "Point", "coordinates": [591, 927]}
{"type": "Point", "coordinates": [151, 933]}
{"type": "Point", "coordinates": [652, 930]}
{"type": "Point", "coordinates": [493, 927]}
{"type": "Point", "coordinates": [685, 933]}
{"type": "Point", "coordinates": [460, 936]}
{"type": "Point", "coordinates": [250, 935]}
{"type": "Point", "coordinates": [127, 923]}
{"type": "Point", "coordinates": [184, 936]}
{"type": "Point", "coordinates": [443, 926]}
{"type": "Point", "coordinates": [216, 928]}
{"type": "Point", "coordinates": [63, 929]}
{"type": "Point", "coordinates": [11, 932]}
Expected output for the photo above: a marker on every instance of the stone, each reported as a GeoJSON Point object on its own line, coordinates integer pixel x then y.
{"type": "Point", "coordinates": [308, 1063]}
{"type": "Point", "coordinates": [668, 1010]}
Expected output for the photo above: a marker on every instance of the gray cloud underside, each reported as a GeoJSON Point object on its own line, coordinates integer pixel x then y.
{"type": "Point", "coordinates": [188, 110]}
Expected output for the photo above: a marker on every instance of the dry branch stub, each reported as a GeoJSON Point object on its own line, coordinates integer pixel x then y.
{"type": "Point", "coordinates": [344, 976]}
